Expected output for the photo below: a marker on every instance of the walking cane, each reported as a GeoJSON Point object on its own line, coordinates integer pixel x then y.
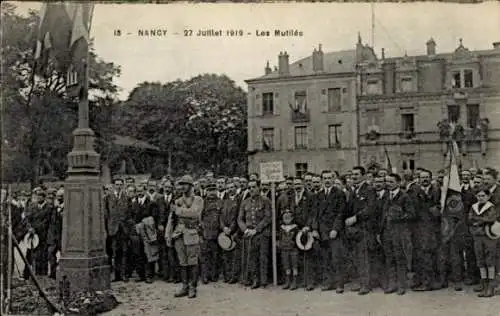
{"type": "Point", "coordinates": [249, 248]}
{"type": "Point", "coordinates": [243, 276]}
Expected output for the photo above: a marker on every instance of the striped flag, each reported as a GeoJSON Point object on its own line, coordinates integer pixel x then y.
{"type": "Point", "coordinates": [451, 199]}
{"type": "Point", "coordinates": [63, 35]}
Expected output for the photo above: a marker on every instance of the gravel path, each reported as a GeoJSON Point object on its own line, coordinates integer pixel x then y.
{"type": "Point", "coordinates": [234, 300]}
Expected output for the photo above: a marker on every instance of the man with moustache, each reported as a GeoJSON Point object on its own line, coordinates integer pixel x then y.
{"type": "Point", "coordinates": [229, 226]}
{"type": "Point", "coordinates": [39, 222]}
{"type": "Point", "coordinates": [316, 184]}
{"type": "Point", "coordinates": [182, 232]}
{"type": "Point", "coordinates": [490, 180]}
{"type": "Point", "coordinates": [244, 193]}
{"type": "Point", "coordinates": [306, 218]}
{"type": "Point", "coordinates": [308, 179]}
{"type": "Point", "coordinates": [168, 258]}
{"type": "Point", "coordinates": [377, 260]}
{"type": "Point", "coordinates": [209, 218]}
{"type": "Point", "coordinates": [468, 198]}
{"type": "Point", "coordinates": [395, 234]}
{"type": "Point", "coordinates": [54, 235]}
{"type": "Point", "coordinates": [254, 220]}
{"type": "Point", "coordinates": [360, 227]}
{"type": "Point", "coordinates": [331, 206]}
{"type": "Point", "coordinates": [221, 188]}
{"type": "Point", "coordinates": [115, 216]}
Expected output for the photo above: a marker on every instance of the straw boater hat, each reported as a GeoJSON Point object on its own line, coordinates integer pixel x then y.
{"type": "Point", "coordinates": [493, 230]}
{"type": "Point", "coordinates": [304, 241]}
{"type": "Point", "coordinates": [226, 242]}
{"type": "Point", "coordinates": [31, 240]}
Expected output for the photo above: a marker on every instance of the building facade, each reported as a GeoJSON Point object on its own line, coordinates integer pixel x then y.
{"type": "Point", "coordinates": [340, 109]}
{"type": "Point", "coordinates": [411, 106]}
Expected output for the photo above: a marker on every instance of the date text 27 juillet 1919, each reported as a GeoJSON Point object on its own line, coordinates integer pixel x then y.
{"type": "Point", "coordinates": [239, 32]}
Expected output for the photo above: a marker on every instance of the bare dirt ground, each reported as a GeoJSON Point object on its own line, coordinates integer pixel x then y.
{"type": "Point", "coordinates": [229, 300]}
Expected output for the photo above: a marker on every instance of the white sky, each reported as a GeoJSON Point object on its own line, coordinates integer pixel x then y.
{"type": "Point", "coordinates": [398, 28]}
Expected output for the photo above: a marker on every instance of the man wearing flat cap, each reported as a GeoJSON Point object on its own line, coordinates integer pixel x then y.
{"type": "Point", "coordinates": [182, 232]}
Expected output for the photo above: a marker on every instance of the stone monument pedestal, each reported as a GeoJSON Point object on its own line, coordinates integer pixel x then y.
{"type": "Point", "coordinates": [83, 256]}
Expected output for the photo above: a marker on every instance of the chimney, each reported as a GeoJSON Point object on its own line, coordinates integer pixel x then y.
{"type": "Point", "coordinates": [431, 47]}
{"type": "Point", "coordinates": [267, 69]}
{"type": "Point", "coordinates": [496, 45]}
{"type": "Point", "coordinates": [383, 53]}
{"type": "Point", "coordinates": [283, 65]}
{"type": "Point", "coordinates": [317, 59]}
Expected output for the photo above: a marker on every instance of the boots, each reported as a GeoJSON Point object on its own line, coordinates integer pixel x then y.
{"type": "Point", "coordinates": [481, 287]}
{"type": "Point", "coordinates": [184, 291]}
{"type": "Point", "coordinates": [286, 286]}
{"type": "Point", "coordinates": [293, 285]}
{"type": "Point", "coordinates": [193, 281]}
{"type": "Point", "coordinates": [488, 289]}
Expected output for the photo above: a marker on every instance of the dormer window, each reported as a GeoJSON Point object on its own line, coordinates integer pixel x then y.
{"type": "Point", "coordinates": [406, 84]}
{"type": "Point", "coordinates": [372, 86]}
{"type": "Point", "coordinates": [462, 79]}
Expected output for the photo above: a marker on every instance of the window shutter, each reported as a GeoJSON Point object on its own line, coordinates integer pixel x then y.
{"type": "Point", "coordinates": [323, 100]}
{"type": "Point", "coordinates": [258, 138]}
{"type": "Point", "coordinates": [258, 104]}
{"type": "Point", "coordinates": [276, 104]}
{"type": "Point", "coordinates": [344, 98]}
{"type": "Point", "coordinates": [277, 138]}
{"type": "Point", "coordinates": [291, 138]}
{"type": "Point", "coordinates": [310, 138]}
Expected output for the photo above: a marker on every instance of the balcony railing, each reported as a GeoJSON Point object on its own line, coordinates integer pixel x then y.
{"type": "Point", "coordinates": [300, 117]}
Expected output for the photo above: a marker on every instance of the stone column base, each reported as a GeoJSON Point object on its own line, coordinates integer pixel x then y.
{"type": "Point", "coordinates": [85, 274]}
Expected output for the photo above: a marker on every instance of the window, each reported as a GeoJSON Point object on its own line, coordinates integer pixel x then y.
{"type": "Point", "coordinates": [455, 81]}
{"type": "Point", "coordinates": [408, 121]}
{"type": "Point", "coordinates": [301, 101]}
{"type": "Point", "coordinates": [334, 135]}
{"type": "Point", "coordinates": [408, 162]}
{"type": "Point", "coordinates": [334, 100]}
{"type": "Point", "coordinates": [468, 79]}
{"type": "Point", "coordinates": [372, 87]}
{"type": "Point", "coordinates": [268, 139]}
{"type": "Point", "coordinates": [462, 79]}
{"type": "Point", "coordinates": [406, 84]}
{"type": "Point", "coordinates": [453, 113]}
{"type": "Point", "coordinates": [301, 137]}
{"type": "Point", "coordinates": [267, 103]}
{"type": "Point", "coordinates": [300, 169]}
{"type": "Point", "coordinates": [472, 115]}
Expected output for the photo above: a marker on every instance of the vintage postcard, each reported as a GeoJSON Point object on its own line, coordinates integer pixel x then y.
{"type": "Point", "coordinates": [255, 158]}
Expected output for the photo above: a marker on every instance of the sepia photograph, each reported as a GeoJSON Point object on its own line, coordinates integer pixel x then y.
{"type": "Point", "coordinates": [263, 158]}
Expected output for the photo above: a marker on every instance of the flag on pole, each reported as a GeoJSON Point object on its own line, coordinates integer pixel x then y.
{"type": "Point", "coordinates": [388, 164]}
{"type": "Point", "coordinates": [63, 35]}
{"type": "Point", "coordinates": [451, 199]}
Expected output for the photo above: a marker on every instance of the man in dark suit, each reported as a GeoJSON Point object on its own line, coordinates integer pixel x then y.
{"type": "Point", "coordinates": [168, 258]}
{"type": "Point", "coordinates": [229, 226]}
{"type": "Point", "coordinates": [331, 206]}
{"type": "Point", "coordinates": [395, 234]}
{"type": "Point", "coordinates": [382, 195]}
{"type": "Point", "coordinates": [469, 198]}
{"type": "Point", "coordinates": [221, 188]}
{"type": "Point", "coordinates": [115, 217]}
{"type": "Point", "coordinates": [306, 217]}
{"type": "Point", "coordinates": [360, 226]}
{"type": "Point", "coordinates": [427, 229]}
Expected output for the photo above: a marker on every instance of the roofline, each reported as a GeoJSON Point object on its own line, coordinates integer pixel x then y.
{"type": "Point", "coordinates": [303, 77]}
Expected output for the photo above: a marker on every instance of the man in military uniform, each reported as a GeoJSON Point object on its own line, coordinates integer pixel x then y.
{"type": "Point", "coordinates": [359, 227]}
{"type": "Point", "coordinates": [210, 216]}
{"type": "Point", "coordinates": [182, 232]}
{"type": "Point", "coordinates": [254, 220]}
{"type": "Point", "coordinates": [331, 205]}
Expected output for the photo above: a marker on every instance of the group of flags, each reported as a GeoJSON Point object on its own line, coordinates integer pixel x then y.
{"type": "Point", "coordinates": [63, 37]}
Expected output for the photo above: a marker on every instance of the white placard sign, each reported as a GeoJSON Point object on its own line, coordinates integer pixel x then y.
{"type": "Point", "coordinates": [271, 171]}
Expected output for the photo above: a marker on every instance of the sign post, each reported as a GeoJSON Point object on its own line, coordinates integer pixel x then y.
{"type": "Point", "coordinates": [272, 172]}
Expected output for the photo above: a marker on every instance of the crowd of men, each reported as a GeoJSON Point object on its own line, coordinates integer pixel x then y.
{"type": "Point", "coordinates": [371, 228]}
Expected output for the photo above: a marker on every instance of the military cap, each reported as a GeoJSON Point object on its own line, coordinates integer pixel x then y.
{"type": "Point", "coordinates": [187, 179]}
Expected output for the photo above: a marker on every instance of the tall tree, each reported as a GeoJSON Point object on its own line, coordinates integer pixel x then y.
{"type": "Point", "coordinates": [37, 114]}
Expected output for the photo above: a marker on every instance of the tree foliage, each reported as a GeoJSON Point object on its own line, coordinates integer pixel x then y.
{"type": "Point", "coordinates": [201, 122]}
{"type": "Point", "coordinates": [37, 115]}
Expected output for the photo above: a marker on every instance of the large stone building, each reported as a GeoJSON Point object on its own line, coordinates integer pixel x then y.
{"type": "Point", "coordinates": [411, 106]}
{"type": "Point", "coordinates": [336, 110]}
